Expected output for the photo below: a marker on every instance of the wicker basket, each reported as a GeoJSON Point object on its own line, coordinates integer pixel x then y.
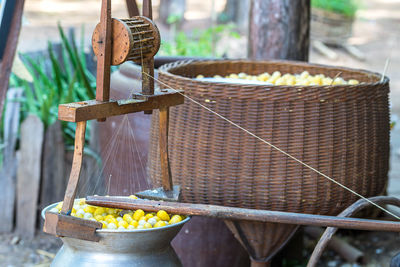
{"type": "Point", "coordinates": [341, 130]}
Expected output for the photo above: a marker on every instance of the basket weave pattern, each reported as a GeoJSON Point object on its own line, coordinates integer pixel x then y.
{"type": "Point", "coordinates": [343, 131]}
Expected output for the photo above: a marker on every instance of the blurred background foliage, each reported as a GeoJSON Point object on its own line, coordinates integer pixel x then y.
{"type": "Point", "coordinates": [59, 76]}
{"type": "Point", "coordinates": [344, 7]}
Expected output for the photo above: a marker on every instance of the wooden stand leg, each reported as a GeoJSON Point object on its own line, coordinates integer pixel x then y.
{"type": "Point", "coordinates": [104, 55]}
{"type": "Point", "coordinates": [148, 65]}
{"type": "Point", "coordinates": [63, 224]}
{"type": "Point", "coordinates": [166, 177]}
{"type": "Point", "coordinates": [148, 80]}
{"type": "Point", "coordinates": [76, 168]}
{"type": "Point", "coordinates": [133, 9]}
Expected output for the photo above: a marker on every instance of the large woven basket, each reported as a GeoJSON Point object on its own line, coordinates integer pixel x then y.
{"type": "Point", "coordinates": [341, 130]}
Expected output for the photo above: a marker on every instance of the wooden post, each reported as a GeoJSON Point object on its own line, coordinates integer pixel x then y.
{"type": "Point", "coordinates": [279, 29]}
{"type": "Point", "coordinates": [28, 175]}
{"type": "Point", "coordinates": [8, 171]}
{"type": "Point", "coordinates": [133, 9]}
{"type": "Point", "coordinates": [9, 52]}
{"type": "Point", "coordinates": [148, 65]}
{"type": "Point", "coordinates": [76, 168]}
{"type": "Point", "coordinates": [54, 180]}
{"type": "Point", "coordinates": [104, 55]}
{"type": "Point", "coordinates": [166, 176]}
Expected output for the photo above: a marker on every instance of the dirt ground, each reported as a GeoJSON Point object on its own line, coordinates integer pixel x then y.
{"type": "Point", "coordinates": [376, 35]}
{"type": "Point", "coordinates": [15, 252]}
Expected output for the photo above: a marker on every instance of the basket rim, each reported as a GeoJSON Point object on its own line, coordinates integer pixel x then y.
{"type": "Point", "coordinates": [167, 68]}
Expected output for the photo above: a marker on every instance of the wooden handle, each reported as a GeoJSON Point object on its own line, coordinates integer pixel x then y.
{"type": "Point", "coordinates": [148, 65]}
{"type": "Point", "coordinates": [147, 9]}
{"type": "Point", "coordinates": [104, 54]}
{"type": "Point", "coordinates": [133, 9]}
{"type": "Point", "coordinates": [166, 177]}
{"type": "Point", "coordinates": [231, 213]}
{"type": "Point", "coordinates": [76, 168]}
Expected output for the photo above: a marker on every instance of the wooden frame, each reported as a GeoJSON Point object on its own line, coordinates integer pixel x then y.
{"type": "Point", "coordinates": [133, 9]}
{"type": "Point", "coordinates": [102, 107]}
{"type": "Point", "coordinates": [92, 109]}
{"type": "Point", "coordinates": [6, 15]}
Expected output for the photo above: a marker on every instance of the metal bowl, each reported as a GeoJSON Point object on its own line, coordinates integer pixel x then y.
{"type": "Point", "coordinates": [142, 247]}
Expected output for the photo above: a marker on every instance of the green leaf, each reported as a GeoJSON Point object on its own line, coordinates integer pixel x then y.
{"type": "Point", "coordinates": [57, 79]}
{"type": "Point", "coordinates": [57, 73]}
{"type": "Point", "coordinates": [70, 95]}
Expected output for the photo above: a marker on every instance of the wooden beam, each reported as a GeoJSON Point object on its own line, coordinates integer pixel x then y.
{"type": "Point", "coordinates": [79, 146]}
{"type": "Point", "coordinates": [166, 176]}
{"type": "Point", "coordinates": [232, 213]}
{"type": "Point", "coordinates": [54, 181]}
{"type": "Point", "coordinates": [65, 225]}
{"type": "Point", "coordinates": [104, 54]}
{"type": "Point", "coordinates": [9, 52]}
{"type": "Point", "coordinates": [133, 9]}
{"type": "Point", "coordinates": [92, 109]}
{"type": "Point", "coordinates": [147, 10]}
{"type": "Point", "coordinates": [279, 29]}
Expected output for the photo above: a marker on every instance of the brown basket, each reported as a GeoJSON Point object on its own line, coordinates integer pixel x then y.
{"type": "Point", "coordinates": [343, 131]}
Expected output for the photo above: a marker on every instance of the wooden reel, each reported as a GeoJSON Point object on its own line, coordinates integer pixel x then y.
{"type": "Point", "coordinates": [114, 42]}
{"type": "Point", "coordinates": [133, 39]}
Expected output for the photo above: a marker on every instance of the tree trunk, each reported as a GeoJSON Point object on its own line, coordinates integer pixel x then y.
{"type": "Point", "coordinates": [171, 8]}
{"type": "Point", "coordinates": [279, 29]}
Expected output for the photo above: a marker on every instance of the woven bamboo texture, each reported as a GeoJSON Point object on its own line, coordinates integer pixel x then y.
{"type": "Point", "coordinates": [341, 130]}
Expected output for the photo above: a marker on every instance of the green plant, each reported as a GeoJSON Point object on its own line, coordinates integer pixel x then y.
{"type": "Point", "coordinates": [67, 80]}
{"type": "Point", "coordinates": [345, 7]}
{"type": "Point", "coordinates": [201, 43]}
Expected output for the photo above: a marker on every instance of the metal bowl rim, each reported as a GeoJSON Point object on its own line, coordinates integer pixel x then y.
{"type": "Point", "coordinates": [100, 231]}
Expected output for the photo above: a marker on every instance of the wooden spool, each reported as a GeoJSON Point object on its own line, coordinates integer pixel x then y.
{"type": "Point", "coordinates": [133, 39]}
